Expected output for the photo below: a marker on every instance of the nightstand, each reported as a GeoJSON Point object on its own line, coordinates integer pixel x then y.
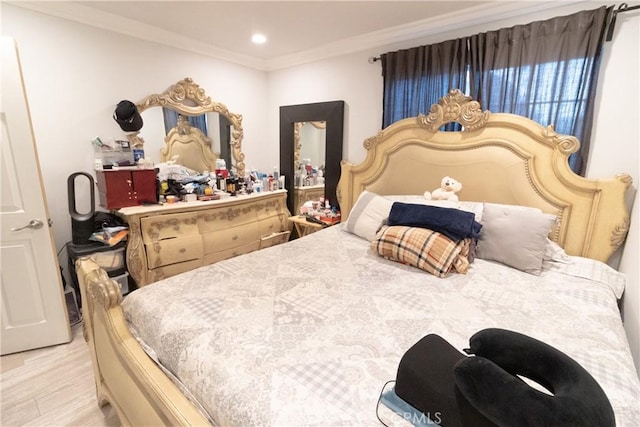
{"type": "Point", "coordinates": [304, 227]}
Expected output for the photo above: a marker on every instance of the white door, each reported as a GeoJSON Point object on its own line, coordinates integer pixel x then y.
{"type": "Point", "coordinates": [32, 299]}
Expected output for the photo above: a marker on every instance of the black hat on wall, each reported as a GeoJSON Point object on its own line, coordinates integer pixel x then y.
{"type": "Point", "coordinates": [127, 116]}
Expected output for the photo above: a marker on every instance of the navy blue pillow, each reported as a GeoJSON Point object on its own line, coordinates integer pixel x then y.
{"type": "Point", "coordinates": [453, 223]}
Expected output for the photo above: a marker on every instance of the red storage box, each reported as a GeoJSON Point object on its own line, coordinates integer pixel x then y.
{"type": "Point", "coordinates": [126, 187]}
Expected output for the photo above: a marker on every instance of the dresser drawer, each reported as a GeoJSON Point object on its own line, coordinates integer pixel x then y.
{"type": "Point", "coordinates": [173, 269]}
{"type": "Point", "coordinates": [230, 253]}
{"type": "Point", "coordinates": [274, 239]}
{"type": "Point", "coordinates": [156, 228]}
{"type": "Point", "coordinates": [171, 251]}
{"type": "Point", "coordinates": [272, 224]}
{"type": "Point", "coordinates": [223, 218]}
{"type": "Point", "coordinates": [271, 208]}
{"type": "Point", "coordinates": [229, 238]}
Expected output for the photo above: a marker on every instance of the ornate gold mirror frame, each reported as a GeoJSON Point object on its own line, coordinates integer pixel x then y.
{"type": "Point", "coordinates": [296, 139]}
{"type": "Point", "coordinates": [188, 98]}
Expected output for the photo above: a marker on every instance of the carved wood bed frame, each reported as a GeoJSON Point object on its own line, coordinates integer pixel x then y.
{"type": "Point", "coordinates": [499, 158]}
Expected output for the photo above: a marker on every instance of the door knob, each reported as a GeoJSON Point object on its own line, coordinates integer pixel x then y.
{"type": "Point", "coordinates": [33, 224]}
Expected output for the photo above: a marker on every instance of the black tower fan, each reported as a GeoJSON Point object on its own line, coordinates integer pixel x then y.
{"type": "Point", "coordinates": [82, 224]}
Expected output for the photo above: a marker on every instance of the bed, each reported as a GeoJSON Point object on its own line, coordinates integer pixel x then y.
{"type": "Point", "coordinates": [308, 332]}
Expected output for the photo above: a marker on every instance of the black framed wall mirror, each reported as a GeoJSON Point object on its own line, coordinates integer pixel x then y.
{"type": "Point", "coordinates": [329, 115]}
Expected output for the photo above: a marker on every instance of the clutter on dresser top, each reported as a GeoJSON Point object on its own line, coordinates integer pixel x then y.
{"type": "Point", "coordinates": [126, 178]}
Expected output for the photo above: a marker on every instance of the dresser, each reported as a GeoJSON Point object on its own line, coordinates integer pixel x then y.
{"type": "Point", "coordinates": [165, 240]}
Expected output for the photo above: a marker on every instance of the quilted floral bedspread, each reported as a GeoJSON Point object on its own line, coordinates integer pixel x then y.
{"type": "Point", "coordinates": [307, 333]}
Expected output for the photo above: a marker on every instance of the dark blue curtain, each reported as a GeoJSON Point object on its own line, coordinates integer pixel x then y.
{"type": "Point", "coordinates": [416, 78]}
{"type": "Point", "coordinates": [171, 120]}
{"type": "Point", "coordinates": [545, 70]}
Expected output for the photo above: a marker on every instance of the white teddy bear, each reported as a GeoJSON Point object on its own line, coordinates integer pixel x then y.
{"type": "Point", "coordinates": [447, 191]}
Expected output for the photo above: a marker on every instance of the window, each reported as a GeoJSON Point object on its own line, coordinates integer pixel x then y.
{"type": "Point", "coordinates": [545, 70]}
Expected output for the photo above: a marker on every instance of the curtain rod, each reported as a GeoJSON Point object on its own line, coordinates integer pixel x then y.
{"type": "Point", "coordinates": [612, 24]}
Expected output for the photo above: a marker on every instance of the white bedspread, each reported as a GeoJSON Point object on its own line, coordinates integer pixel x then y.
{"type": "Point", "coordinates": [307, 333]}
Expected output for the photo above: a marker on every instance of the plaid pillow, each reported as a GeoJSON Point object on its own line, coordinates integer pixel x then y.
{"type": "Point", "coordinates": [425, 249]}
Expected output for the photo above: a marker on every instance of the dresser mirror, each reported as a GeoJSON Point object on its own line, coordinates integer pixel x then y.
{"type": "Point", "coordinates": [184, 122]}
{"type": "Point", "coordinates": [311, 136]}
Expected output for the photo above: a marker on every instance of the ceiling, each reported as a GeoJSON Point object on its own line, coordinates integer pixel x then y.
{"type": "Point", "coordinates": [290, 26]}
{"type": "Point", "coordinates": [297, 31]}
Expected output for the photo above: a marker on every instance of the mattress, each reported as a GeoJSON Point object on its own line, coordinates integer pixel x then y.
{"type": "Point", "coordinates": [308, 333]}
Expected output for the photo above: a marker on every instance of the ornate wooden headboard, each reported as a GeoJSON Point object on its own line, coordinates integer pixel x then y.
{"type": "Point", "coordinates": [192, 147]}
{"type": "Point", "coordinates": [500, 158]}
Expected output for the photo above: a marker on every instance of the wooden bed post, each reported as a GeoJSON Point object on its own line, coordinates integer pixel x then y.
{"type": "Point", "coordinates": [101, 287]}
{"type": "Point", "coordinates": [125, 375]}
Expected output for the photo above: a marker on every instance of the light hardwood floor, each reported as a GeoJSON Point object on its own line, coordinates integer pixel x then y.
{"type": "Point", "coordinates": [52, 386]}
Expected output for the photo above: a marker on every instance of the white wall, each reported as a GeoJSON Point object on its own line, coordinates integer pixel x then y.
{"type": "Point", "coordinates": [616, 148]}
{"type": "Point", "coordinates": [614, 142]}
{"type": "Point", "coordinates": [349, 78]}
{"type": "Point", "coordinates": [76, 74]}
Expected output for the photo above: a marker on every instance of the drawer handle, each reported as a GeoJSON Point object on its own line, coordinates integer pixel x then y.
{"type": "Point", "coordinates": [182, 250]}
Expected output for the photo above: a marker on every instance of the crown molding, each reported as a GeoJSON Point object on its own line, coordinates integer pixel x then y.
{"type": "Point", "coordinates": [452, 21]}
{"type": "Point", "coordinates": [440, 24]}
{"type": "Point", "coordinates": [96, 18]}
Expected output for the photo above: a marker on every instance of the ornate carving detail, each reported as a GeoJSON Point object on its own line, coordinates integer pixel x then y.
{"type": "Point", "coordinates": [619, 234]}
{"type": "Point", "coordinates": [103, 290]}
{"type": "Point", "coordinates": [625, 178]}
{"type": "Point", "coordinates": [454, 107]}
{"type": "Point", "coordinates": [297, 144]}
{"type": "Point", "coordinates": [185, 89]}
{"type": "Point", "coordinates": [371, 142]}
{"type": "Point", "coordinates": [183, 127]}
{"type": "Point", "coordinates": [135, 140]}
{"type": "Point", "coordinates": [567, 144]}
{"type": "Point", "coordinates": [187, 97]}
{"type": "Point", "coordinates": [135, 252]}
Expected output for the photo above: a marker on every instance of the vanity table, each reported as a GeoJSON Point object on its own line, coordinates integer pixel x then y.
{"type": "Point", "coordinates": [165, 240]}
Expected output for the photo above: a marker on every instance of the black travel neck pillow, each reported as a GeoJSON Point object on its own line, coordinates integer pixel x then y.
{"type": "Point", "coordinates": [488, 381]}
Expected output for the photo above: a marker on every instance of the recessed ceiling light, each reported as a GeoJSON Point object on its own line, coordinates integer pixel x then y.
{"type": "Point", "coordinates": [259, 38]}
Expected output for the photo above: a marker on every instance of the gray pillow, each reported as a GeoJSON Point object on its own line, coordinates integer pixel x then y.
{"type": "Point", "coordinates": [515, 236]}
{"type": "Point", "coordinates": [368, 214]}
